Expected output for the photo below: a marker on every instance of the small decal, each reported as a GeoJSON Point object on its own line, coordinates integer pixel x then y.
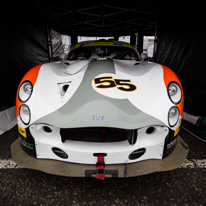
{"type": "Point", "coordinates": [103, 43]}
{"type": "Point", "coordinates": [177, 130]}
{"type": "Point", "coordinates": [22, 131]}
{"type": "Point", "coordinates": [88, 44]}
{"type": "Point", "coordinates": [171, 144]}
{"type": "Point", "coordinates": [98, 117]}
{"type": "Point", "coordinates": [26, 144]}
{"type": "Point", "coordinates": [119, 44]}
{"type": "Point", "coordinates": [109, 82]}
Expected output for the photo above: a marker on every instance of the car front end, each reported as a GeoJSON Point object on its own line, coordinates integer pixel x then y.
{"type": "Point", "coordinates": [81, 110]}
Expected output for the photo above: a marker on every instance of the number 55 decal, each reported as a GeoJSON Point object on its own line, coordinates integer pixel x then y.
{"type": "Point", "coordinates": [109, 82]}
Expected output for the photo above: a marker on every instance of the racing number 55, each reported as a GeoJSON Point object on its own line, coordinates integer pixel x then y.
{"type": "Point", "coordinates": [109, 82]}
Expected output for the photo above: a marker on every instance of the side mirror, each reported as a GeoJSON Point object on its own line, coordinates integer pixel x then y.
{"type": "Point", "coordinates": [143, 56]}
{"type": "Point", "coordinates": [62, 56]}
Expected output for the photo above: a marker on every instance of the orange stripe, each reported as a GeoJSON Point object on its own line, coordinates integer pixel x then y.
{"type": "Point", "coordinates": [31, 75]}
{"type": "Point", "coordinates": [169, 76]}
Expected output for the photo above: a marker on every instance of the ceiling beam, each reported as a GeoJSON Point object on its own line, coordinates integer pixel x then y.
{"type": "Point", "coordinates": [115, 7]}
{"type": "Point", "coordinates": [143, 12]}
{"type": "Point", "coordinates": [88, 8]}
{"type": "Point", "coordinates": [112, 14]}
{"type": "Point", "coordinates": [102, 16]}
{"type": "Point", "coordinates": [96, 25]}
{"type": "Point", "coordinates": [90, 14]}
{"type": "Point", "coordinates": [64, 13]}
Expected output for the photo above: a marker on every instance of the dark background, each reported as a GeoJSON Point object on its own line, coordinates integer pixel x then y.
{"type": "Point", "coordinates": [181, 42]}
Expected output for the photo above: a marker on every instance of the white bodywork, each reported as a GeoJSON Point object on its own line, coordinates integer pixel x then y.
{"type": "Point", "coordinates": [82, 152]}
{"type": "Point", "coordinates": [86, 104]}
{"type": "Point", "coordinates": [150, 96]}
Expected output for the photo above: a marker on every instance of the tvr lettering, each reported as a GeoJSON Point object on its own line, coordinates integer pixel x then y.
{"type": "Point", "coordinates": [97, 117]}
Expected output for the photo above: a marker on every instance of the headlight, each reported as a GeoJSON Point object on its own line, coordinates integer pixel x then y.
{"type": "Point", "coordinates": [24, 113]}
{"type": "Point", "coordinates": [174, 92]}
{"type": "Point", "coordinates": [25, 91]}
{"type": "Point", "coordinates": [173, 116]}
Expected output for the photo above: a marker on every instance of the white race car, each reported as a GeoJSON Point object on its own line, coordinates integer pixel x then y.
{"type": "Point", "coordinates": [103, 105]}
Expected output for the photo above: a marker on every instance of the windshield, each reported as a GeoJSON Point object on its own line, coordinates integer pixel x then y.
{"type": "Point", "coordinates": [111, 52]}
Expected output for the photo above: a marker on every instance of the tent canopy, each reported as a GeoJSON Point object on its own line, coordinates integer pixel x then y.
{"type": "Point", "coordinates": [100, 18]}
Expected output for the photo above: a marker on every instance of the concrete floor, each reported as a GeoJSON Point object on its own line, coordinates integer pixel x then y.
{"type": "Point", "coordinates": [181, 186]}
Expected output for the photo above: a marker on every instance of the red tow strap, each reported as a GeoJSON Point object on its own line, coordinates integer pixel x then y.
{"type": "Point", "coordinates": [100, 160]}
{"type": "Point", "coordinates": [100, 167]}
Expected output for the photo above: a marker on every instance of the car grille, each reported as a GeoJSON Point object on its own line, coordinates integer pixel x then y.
{"type": "Point", "coordinates": [94, 134]}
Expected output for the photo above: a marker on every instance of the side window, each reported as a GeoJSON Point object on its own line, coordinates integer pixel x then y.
{"type": "Point", "coordinates": [135, 55]}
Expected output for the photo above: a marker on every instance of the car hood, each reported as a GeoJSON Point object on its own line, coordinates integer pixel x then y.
{"type": "Point", "coordinates": [99, 94]}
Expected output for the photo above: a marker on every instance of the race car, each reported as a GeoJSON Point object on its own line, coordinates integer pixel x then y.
{"type": "Point", "coordinates": [102, 105]}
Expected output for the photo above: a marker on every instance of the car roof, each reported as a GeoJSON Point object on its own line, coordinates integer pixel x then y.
{"type": "Point", "coordinates": [102, 42]}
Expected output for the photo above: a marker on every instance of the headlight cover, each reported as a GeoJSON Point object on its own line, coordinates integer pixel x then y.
{"type": "Point", "coordinates": [24, 113]}
{"type": "Point", "coordinates": [174, 92]}
{"type": "Point", "coordinates": [173, 116]}
{"type": "Point", "coordinates": [25, 91]}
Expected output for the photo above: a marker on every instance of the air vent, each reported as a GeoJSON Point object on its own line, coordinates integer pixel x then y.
{"type": "Point", "coordinates": [63, 88]}
{"type": "Point", "coordinates": [97, 154]}
{"type": "Point", "coordinates": [150, 130]}
{"type": "Point", "coordinates": [47, 129]}
{"type": "Point", "coordinates": [60, 153]}
{"type": "Point", "coordinates": [137, 154]}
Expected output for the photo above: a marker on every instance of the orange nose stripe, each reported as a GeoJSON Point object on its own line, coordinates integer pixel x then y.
{"type": "Point", "coordinates": [169, 76]}
{"type": "Point", "coordinates": [31, 75]}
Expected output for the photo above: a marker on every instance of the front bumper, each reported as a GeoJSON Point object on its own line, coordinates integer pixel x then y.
{"type": "Point", "coordinates": [149, 145]}
{"type": "Point", "coordinates": [171, 162]}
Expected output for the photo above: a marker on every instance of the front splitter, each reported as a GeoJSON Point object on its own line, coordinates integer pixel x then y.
{"type": "Point", "coordinates": [55, 167]}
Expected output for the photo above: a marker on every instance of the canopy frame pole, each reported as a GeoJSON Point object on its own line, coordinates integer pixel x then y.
{"type": "Point", "coordinates": [49, 43]}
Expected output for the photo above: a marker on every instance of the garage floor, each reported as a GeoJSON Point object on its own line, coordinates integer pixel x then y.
{"type": "Point", "coordinates": [182, 186]}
